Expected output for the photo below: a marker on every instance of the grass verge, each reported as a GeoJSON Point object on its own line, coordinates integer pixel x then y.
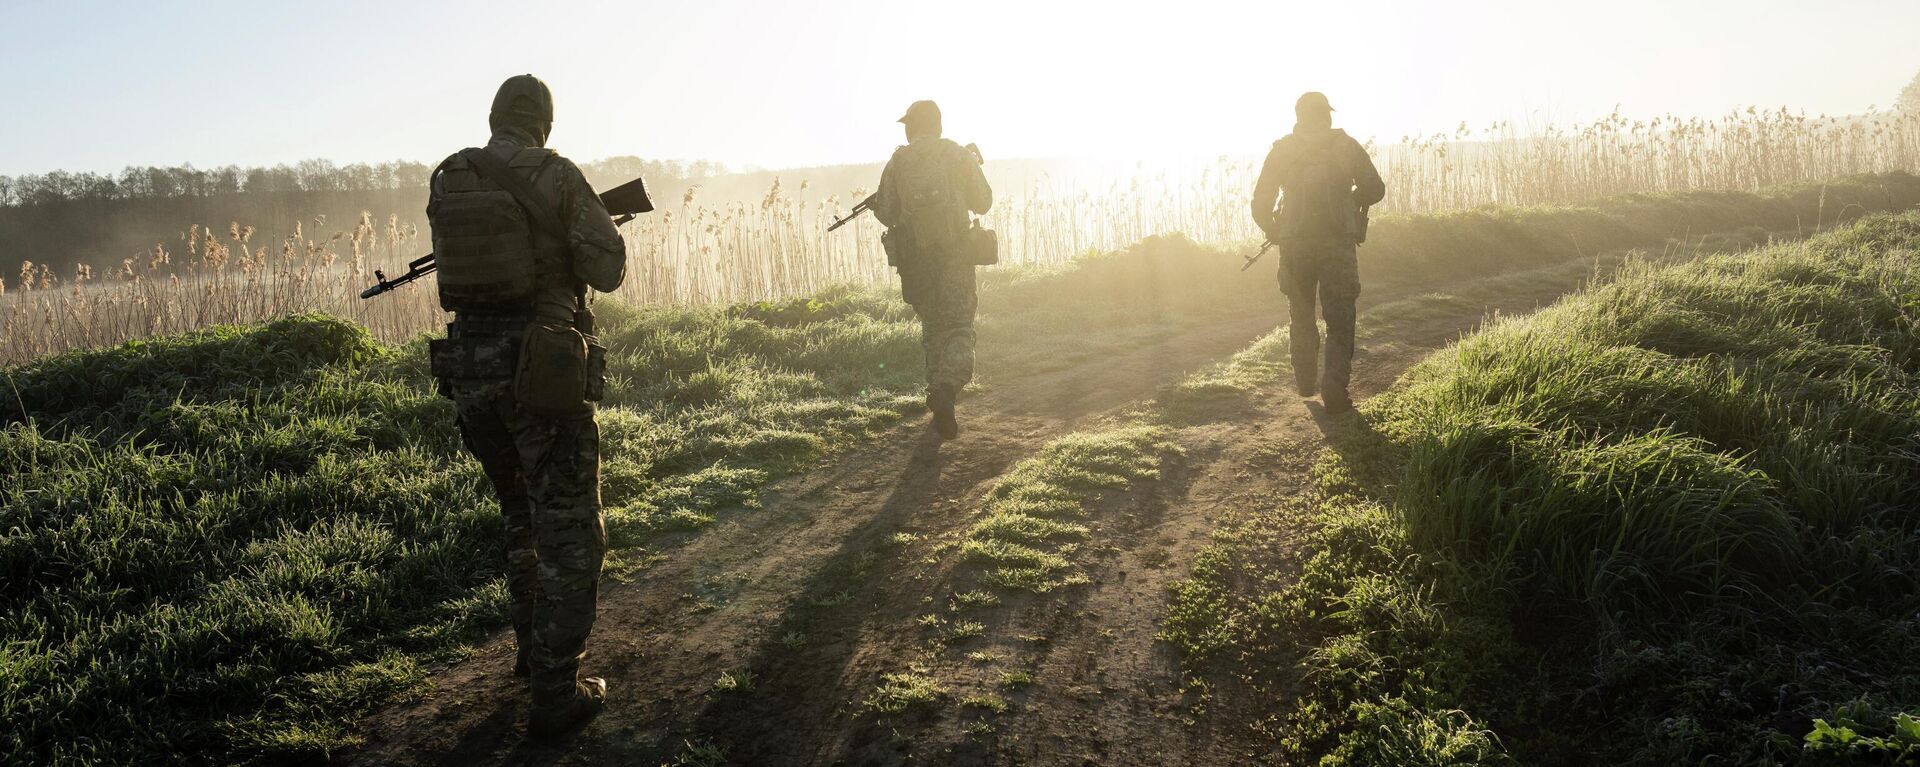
{"type": "Point", "coordinates": [1663, 522]}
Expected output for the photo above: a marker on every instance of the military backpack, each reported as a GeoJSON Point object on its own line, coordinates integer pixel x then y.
{"type": "Point", "coordinates": [1319, 189]}
{"type": "Point", "coordinates": [935, 207]}
{"type": "Point", "coordinates": [490, 253]}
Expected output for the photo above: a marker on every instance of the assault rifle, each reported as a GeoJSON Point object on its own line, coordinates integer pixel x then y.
{"type": "Point", "coordinates": [1251, 260]}
{"type": "Point", "coordinates": [867, 204]}
{"type": "Point", "coordinates": [1359, 236]}
{"type": "Point", "coordinates": [864, 206]}
{"type": "Point", "coordinates": [623, 202]}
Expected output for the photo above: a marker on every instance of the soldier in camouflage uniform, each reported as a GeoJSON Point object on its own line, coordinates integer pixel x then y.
{"type": "Point", "coordinates": [926, 193]}
{"type": "Point", "coordinates": [514, 284]}
{"type": "Point", "coordinates": [1328, 181]}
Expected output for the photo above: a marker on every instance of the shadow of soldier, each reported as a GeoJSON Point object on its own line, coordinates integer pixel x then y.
{"type": "Point", "coordinates": [1368, 454]}
{"type": "Point", "coordinates": [798, 697]}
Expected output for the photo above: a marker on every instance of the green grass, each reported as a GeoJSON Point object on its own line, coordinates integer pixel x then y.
{"type": "Point", "coordinates": [1014, 680]}
{"type": "Point", "coordinates": [991, 703]}
{"type": "Point", "coordinates": [903, 691]}
{"type": "Point", "coordinates": [1663, 522]}
{"type": "Point", "coordinates": [1028, 530]}
{"type": "Point", "coordinates": [230, 545]}
{"type": "Point", "coordinates": [234, 542]}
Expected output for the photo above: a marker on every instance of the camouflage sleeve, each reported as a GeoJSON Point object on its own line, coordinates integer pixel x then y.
{"type": "Point", "coordinates": [886, 199]}
{"type": "Point", "coordinates": [979, 192]}
{"type": "Point", "coordinates": [599, 254]}
{"type": "Point", "coordinates": [1368, 188]}
{"type": "Point", "coordinates": [1266, 191]}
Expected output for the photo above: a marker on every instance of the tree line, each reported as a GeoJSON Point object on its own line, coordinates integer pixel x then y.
{"type": "Point", "coordinates": [163, 182]}
{"type": "Point", "coordinates": [64, 218]}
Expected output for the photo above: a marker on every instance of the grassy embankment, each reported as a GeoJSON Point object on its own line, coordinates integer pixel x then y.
{"type": "Point", "coordinates": [232, 543]}
{"type": "Point", "coordinates": [1668, 521]}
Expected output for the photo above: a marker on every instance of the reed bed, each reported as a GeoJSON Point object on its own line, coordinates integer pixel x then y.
{"type": "Point", "coordinates": [721, 252]}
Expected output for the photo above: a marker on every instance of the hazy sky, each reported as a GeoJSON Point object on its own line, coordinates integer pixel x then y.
{"type": "Point", "coordinates": [98, 86]}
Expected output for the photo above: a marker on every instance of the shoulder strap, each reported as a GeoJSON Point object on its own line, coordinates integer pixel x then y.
{"type": "Point", "coordinates": [494, 170]}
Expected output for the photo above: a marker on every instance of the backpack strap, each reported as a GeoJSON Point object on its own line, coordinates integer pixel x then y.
{"type": "Point", "coordinates": [492, 169]}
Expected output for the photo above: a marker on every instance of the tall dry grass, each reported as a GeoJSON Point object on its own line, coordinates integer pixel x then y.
{"type": "Point", "coordinates": [695, 252]}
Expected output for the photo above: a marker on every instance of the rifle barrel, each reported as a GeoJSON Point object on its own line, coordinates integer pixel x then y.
{"type": "Point", "coordinates": [863, 207]}
{"type": "Point", "coordinates": [1256, 257]}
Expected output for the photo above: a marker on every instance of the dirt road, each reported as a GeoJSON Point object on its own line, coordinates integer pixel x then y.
{"type": "Point", "coordinates": [805, 603]}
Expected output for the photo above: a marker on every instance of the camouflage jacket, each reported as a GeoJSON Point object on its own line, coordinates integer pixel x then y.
{"type": "Point", "coordinates": [1284, 172]}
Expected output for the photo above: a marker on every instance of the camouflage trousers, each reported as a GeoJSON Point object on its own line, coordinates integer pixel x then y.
{"type": "Point", "coordinates": [945, 297]}
{"type": "Point", "coordinates": [546, 473]}
{"type": "Point", "coordinates": [1327, 269]}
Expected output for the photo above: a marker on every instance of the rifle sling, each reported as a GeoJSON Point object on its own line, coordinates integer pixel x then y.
{"type": "Point", "coordinates": [523, 192]}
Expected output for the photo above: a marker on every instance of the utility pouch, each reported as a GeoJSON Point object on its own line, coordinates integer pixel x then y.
{"type": "Point", "coordinates": [489, 356]}
{"type": "Point", "coordinates": [1360, 226]}
{"type": "Point", "coordinates": [982, 246]}
{"type": "Point", "coordinates": [1286, 272]}
{"type": "Point", "coordinates": [596, 370]}
{"type": "Point", "coordinates": [552, 377]}
{"type": "Point", "coordinates": [890, 241]}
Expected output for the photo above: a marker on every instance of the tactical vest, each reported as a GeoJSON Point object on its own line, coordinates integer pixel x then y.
{"type": "Point", "coordinates": [491, 257]}
{"type": "Point", "coordinates": [1319, 188]}
{"type": "Point", "coordinates": [933, 205]}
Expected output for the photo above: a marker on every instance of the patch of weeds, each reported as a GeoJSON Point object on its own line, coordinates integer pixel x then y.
{"type": "Point", "coordinates": [734, 681]}
{"type": "Point", "coordinates": [836, 599]}
{"type": "Point", "coordinates": [1015, 679]}
{"type": "Point", "coordinates": [901, 691]}
{"type": "Point", "coordinates": [964, 630]}
{"type": "Point", "coordinates": [985, 703]}
{"type": "Point", "coordinates": [976, 599]}
{"type": "Point", "coordinates": [703, 754]}
{"type": "Point", "coordinates": [863, 564]}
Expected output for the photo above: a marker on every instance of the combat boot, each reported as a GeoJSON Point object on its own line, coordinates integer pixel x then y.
{"type": "Point", "coordinates": [1306, 382]}
{"type": "Point", "coordinates": [1336, 401]}
{"type": "Point", "coordinates": [940, 399]}
{"type": "Point", "coordinates": [589, 696]}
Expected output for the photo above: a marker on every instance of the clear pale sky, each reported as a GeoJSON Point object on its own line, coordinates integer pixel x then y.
{"type": "Point", "coordinates": [98, 86]}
